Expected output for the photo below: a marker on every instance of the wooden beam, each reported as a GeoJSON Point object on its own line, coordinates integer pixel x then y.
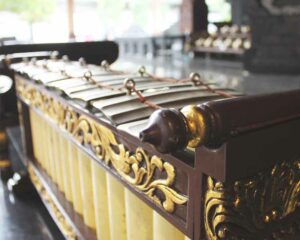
{"type": "Point", "coordinates": [193, 16]}
{"type": "Point", "coordinates": [71, 19]}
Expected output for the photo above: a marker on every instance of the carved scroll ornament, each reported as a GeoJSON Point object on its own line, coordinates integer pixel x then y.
{"type": "Point", "coordinates": [136, 168]}
{"type": "Point", "coordinates": [244, 208]}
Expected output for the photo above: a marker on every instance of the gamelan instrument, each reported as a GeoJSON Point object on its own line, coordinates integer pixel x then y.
{"type": "Point", "coordinates": [227, 40]}
{"type": "Point", "coordinates": [118, 155]}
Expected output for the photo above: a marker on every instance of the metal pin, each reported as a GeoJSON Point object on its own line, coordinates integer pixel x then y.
{"type": "Point", "coordinates": [45, 64]}
{"type": "Point", "coordinates": [129, 84]}
{"type": "Point", "coordinates": [82, 61]}
{"type": "Point", "coordinates": [33, 61]}
{"type": "Point", "coordinates": [88, 75]}
{"type": "Point", "coordinates": [142, 71]}
{"type": "Point", "coordinates": [65, 58]}
{"type": "Point", "coordinates": [25, 60]}
{"type": "Point", "coordinates": [105, 64]}
{"type": "Point", "coordinates": [54, 55]}
{"type": "Point", "coordinates": [196, 79]}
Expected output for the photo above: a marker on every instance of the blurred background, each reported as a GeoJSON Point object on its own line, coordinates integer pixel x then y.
{"type": "Point", "coordinates": [42, 21]}
{"type": "Point", "coordinates": [251, 46]}
{"type": "Point", "coordinates": [227, 40]}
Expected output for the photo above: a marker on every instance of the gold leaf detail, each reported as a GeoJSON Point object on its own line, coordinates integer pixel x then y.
{"type": "Point", "coordinates": [240, 210]}
{"type": "Point", "coordinates": [138, 168]}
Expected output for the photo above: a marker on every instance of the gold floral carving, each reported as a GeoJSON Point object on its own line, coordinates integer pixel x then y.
{"type": "Point", "coordinates": [242, 209]}
{"type": "Point", "coordinates": [62, 223]}
{"type": "Point", "coordinates": [138, 168]}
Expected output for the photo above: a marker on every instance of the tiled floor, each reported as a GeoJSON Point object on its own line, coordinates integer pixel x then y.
{"type": "Point", "coordinates": [24, 219]}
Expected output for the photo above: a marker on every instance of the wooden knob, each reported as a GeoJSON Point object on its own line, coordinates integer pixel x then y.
{"type": "Point", "coordinates": [166, 130]}
{"type": "Point", "coordinates": [170, 130]}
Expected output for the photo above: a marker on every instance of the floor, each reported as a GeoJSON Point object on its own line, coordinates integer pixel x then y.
{"type": "Point", "coordinates": [23, 216]}
{"type": "Point", "coordinates": [22, 219]}
{"type": "Point", "coordinates": [27, 219]}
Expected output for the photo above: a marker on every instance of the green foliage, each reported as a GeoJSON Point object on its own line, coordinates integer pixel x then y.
{"type": "Point", "coordinates": [31, 10]}
{"type": "Point", "coordinates": [222, 8]}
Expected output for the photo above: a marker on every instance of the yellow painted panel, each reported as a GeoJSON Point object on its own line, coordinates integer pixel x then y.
{"type": "Point", "coordinates": [139, 218]}
{"type": "Point", "coordinates": [64, 158]}
{"type": "Point", "coordinates": [56, 158]}
{"type": "Point", "coordinates": [101, 202]}
{"type": "Point", "coordinates": [163, 230]}
{"type": "Point", "coordinates": [86, 184]}
{"type": "Point", "coordinates": [117, 213]}
{"type": "Point", "coordinates": [74, 174]}
{"type": "Point", "coordinates": [33, 123]}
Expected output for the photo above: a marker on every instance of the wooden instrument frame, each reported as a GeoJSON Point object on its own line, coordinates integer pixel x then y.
{"type": "Point", "coordinates": [214, 174]}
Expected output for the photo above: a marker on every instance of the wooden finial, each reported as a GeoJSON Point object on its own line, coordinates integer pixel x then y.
{"type": "Point", "coordinates": [170, 130]}
{"type": "Point", "coordinates": [166, 130]}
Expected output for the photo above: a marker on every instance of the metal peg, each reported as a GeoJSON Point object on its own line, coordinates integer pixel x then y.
{"type": "Point", "coordinates": [54, 55]}
{"type": "Point", "coordinates": [65, 58]}
{"type": "Point", "coordinates": [82, 61]}
{"type": "Point", "coordinates": [196, 79]}
{"type": "Point", "coordinates": [129, 84]}
{"type": "Point", "coordinates": [105, 64]}
{"type": "Point", "coordinates": [88, 75]}
{"type": "Point", "coordinates": [142, 71]}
